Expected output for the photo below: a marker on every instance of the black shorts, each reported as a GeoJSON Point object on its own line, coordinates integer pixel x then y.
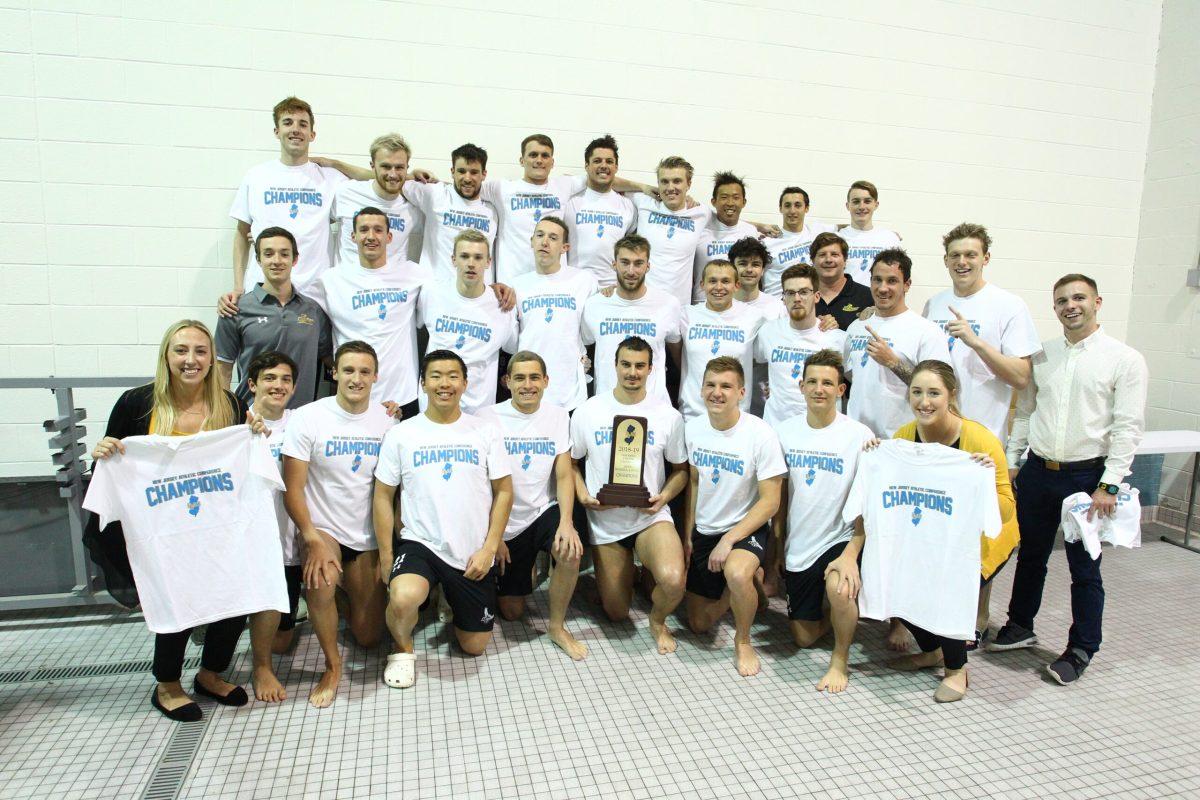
{"type": "Point", "coordinates": [517, 580]}
{"type": "Point", "coordinates": [706, 583]}
{"type": "Point", "coordinates": [349, 554]}
{"type": "Point", "coordinates": [806, 588]}
{"type": "Point", "coordinates": [473, 602]}
{"type": "Point", "coordinates": [292, 576]}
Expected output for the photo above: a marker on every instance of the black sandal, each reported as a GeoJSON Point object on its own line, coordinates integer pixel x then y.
{"type": "Point", "coordinates": [189, 712]}
{"type": "Point", "coordinates": [236, 697]}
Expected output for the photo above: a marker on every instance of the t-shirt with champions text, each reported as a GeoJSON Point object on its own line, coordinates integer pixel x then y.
{"type": "Point", "coordinates": [591, 438]}
{"type": "Point", "coordinates": [341, 450]}
{"type": "Point", "coordinates": [532, 442]}
{"type": "Point", "coordinates": [519, 206]}
{"type": "Point", "coordinates": [673, 237]}
{"type": "Point", "coordinates": [923, 507]}
{"type": "Point", "coordinates": [447, 214]}
{"type": "Point", "coordinates": [784, 350]}
{"type": "Point", "coordinates": [730, 464]}
{"type": "Point", "coordinates": [198, 514]}
{"type": "Point", "coordinates": [549, 313]}
{"type": "Point", "coordinates": [405, 221]}
{"type": "Point", "coordinates": [444, 472]}
{"type": "Point", "coordinates": [596, 222]}
{"type": "Point", "coordinates": [708, 334]}
{"type": "Point", "coordinates": [788, 250]}
{"type": "Point", "coordinates": [864, 246]}
{"type": "Point", "coordinates": [608, 321]}
{"type": "Point", "coordinates": [276, 428]}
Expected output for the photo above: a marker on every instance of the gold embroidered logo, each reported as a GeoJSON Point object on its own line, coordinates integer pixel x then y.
{"type": "Point", "coordinates": [305, 319]}
{"type": "Point", "coordinates": [850, 308]}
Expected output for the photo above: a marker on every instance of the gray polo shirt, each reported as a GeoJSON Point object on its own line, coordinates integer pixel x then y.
{"type": "Point", "coordinates": [299, 330]}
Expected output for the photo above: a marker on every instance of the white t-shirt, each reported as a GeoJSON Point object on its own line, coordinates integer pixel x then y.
{"type": "Point", "coordinates": [276, 428]}
{"type": "Point", "coordinates": [708, 334]}
{"type": "Point", "coordinates": [878, 398]}
{"type": "Point", "coordinates": [549, 312]}
{"type": "Point", "coordinates": [788, 250]}
{"type": "Point", "coordinates": [596, 222]}
{"type": "Point", "coordinates": [403, 219]}
{"type": "Point", "coordinates": [821, 466]}
{"type": "Point", "coordinates": [299, 199]}
{"type": "Point", "coordinates": [770, 306]}
{"type": "Point", "coordinates": [673, 237]}
{"type": "Point", "coordinates": [730, 463]}
{"type": "Point", "coordinates": [447, 214]}
{"type": "Point", "coordinates": [444, 472]}
{"type": "Point", "coordinates": [714, 243]}
{"type": "Point", "coordinates": [476, 329]}
{"type": "Point", "coordinates": [924, 507]}
{"type": "Point", "coordinates": [784, 350]}
{"type": "Point", "coordinates": [341, 450]}
{"type": "Point", "coordinates": [1122, 529]}
{"type": "Point", "coordinates": [608, 321]}
{"type": "Point", "coordinates": [1002, 320]}
{"type": "Point", "coordinates": [198, 514]}
{"type": "Point", "coordinates": [591, 438]}
{"type": "Point", "coordinates": [864, 246]}
{"type": "Point", "coordinates": [532, 442]}
{"type": "Point", "coordinates": [377, 306]}
{"type": "Point", "coordinates": [519, 205]}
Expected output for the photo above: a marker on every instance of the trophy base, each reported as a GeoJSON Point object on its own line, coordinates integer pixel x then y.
{"type": "Point", "coordinates": [624, 494]}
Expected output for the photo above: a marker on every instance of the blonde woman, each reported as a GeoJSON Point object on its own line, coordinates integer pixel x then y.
{"type": "Point", "coordinates": [185, 398]}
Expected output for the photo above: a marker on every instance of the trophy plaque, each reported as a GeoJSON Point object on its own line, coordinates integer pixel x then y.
{"type": "Point", "coordinates": [627, 466]}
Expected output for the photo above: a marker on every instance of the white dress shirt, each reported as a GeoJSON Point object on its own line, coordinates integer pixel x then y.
{"type": "Point", "coordinates": [1086, 400]}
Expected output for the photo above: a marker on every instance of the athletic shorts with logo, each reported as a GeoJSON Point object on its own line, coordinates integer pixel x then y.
{"type": "Point", "coordinates": [293, 576]}
{"type": "Point", "coordinates": [473, 602]}
{"type": "Point", "coordinates": [706, 583]}
{"type": "Point", "coordinates": [806, 588]}
{"type": "Point", "coordinates": [517, 580]}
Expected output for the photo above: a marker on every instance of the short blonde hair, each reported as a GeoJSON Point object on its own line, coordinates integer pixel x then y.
{"type": "Point", "coordinates": [392, 142]}
{"type": "Point", "coordinates": [471, 235]}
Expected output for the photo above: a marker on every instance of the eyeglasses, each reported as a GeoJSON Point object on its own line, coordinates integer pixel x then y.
{"type": "Point", "coordinates": [803, 294]}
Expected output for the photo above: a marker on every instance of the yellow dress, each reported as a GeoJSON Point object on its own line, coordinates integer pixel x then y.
{"type": "Point", "coordinates": [975, 438]}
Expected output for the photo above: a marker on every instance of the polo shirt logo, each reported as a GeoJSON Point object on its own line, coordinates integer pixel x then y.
{"type": "Point", "coordinates": [850, 307]}
{"type": "Point", "coordinates": [305, 319]}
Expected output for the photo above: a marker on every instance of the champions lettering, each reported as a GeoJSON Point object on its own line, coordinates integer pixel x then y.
{"type": "Point", "coordinates": [378, 297]}
{"type": "Point", "coordinates": [351, 447]}
{"type": "Point", "coordinates": [459, 219]}
{"type": "Point", "coordinates": [599, 218]}
{"type": "Point", "coordinates": [442, 455]}
{"type": "Point", "coordinates": [707, 458]}
{"type": "Point", "coordinates": [523, 202]}
{"type": "Point", "coordinates": [473, 329]}
{"type": "Point", "coordinates": [718, 248]}
{"type": "Point", "coordinates": [604, 436]}
{"type": "Point", "coordinates": [864, 254]}
{"type": "Point", "coordinates": [648, 330]}
{"type": "Point", "coordinates": [797, 254]}
{"type": "Point", "coordinates": [796, 459]}
{"type": "Point", "coordinates": [533, 447]}
{"type": "Point", "coordinates": [165, 492]}
{"type": "Point", "coordinates": [787, 355]}
{"type": "Point", "coordinates": [714, 332]}
{"type": "Point", "coordinates": [659, 218]}
{"type": "Point", "coordinates": [915, 497]}
{"type": "Point", "coordinates": [548, 301]}
{"type": "Point", "coordinates": [395, 223]}
{"type": "Point", "coordinates": [289, 196]}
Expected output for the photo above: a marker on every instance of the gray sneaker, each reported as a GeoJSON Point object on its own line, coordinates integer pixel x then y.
{"type": "Point", "coordinates": [1070, 666]}
{"type": "Point", "coordinates": [1011, 637]}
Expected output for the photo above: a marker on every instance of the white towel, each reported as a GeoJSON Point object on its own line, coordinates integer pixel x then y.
{"type": "Point", "coordinates": [1123, 528]}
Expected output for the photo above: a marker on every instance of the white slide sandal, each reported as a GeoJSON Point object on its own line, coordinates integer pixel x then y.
{"type": "Point", "coordinates": [401, 670]}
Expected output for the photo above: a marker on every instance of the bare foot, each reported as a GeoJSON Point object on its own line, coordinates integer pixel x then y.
{"type": "Point", "coordinates": [837, 678]}
{"type": "Point", "coordinates": [770, 585]}
{"type": "Point", "coordinates": [898, 638]}
{"type": "Point", "coordinates": [746, 658]}
{"type": "Point", "coordinates": [570, 645]}
{"type": "Point", "coordinates": [662, 637]}
{"type": "Point", "coordinates": [266, 686]}
{"type": "Point", "coordinates": [326, 689]}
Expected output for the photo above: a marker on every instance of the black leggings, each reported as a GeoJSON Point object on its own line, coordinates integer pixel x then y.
{"type": "Point", "coordinates": [954, 651]}
{"type": "Point", "coordinates": [219, 643]}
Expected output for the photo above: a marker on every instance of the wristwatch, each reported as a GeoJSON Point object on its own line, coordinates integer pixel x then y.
{"type": "Point", "coordinates": [1111, 488]}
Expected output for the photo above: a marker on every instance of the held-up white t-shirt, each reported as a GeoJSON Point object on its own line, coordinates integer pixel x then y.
{"type": "Point", "coordinates": [377, 306]}
{"type": "Point", "coordinates": [822, 463]}
{"type": "Point", "coordinates": [444, 472]}
{"type": "Point", "coordinates": [476, 329]}
{"type": "Point", "coordinates": [299, 199]}
{"type": "Point", "coordinates": [341, 450]}
{"type": "Point", "coordinates": [924, 507]}
{"type": "Point", "coordinates": [608, 321]}
{"type": "Point", "coordinates": [447, 215]}
{"type": "Point", "coordinates": [591, 438]}
{"type": "Point", "coordinates": [549, 312]}
{"type": "Point", "coordinates": [532, 442]}
{"type": "Point", "coordinates": [520, 205]}
{"type": "Point", "coordinates": [708, 334]}
{"type": "Point", "coordinates": [1002, 320]}
{"type": "Point", "coordinates": [714, 243]}
{"type": "Point", "coordinates": [198, 514]}
{"type": "Point", "coordinates": [403, 219]}
{"type": "Point", "coordinates": [673, 237]}
{"type": "Point", "coordinates": [879, 399]}
{"type": "Point", "coordinates": [1122, 529]}
{"type": "Point", "coordinates": [596, 222]}
{"type": "Point", "coordinates": [276, 428]}
{"type": "Point", "coordinates": [730, 463]}
{"type": "Point", "coordinates": [788, 250]}
{"type": "Point", "coordinates": [864, 246]}
{"type": "Point", "coordinates": [784, 350]}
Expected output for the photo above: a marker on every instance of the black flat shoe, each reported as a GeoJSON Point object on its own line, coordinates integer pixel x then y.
{"type": "Point", "coordinates": [236, 697]}
{"type": "Point", "coordinates": [185, 713]}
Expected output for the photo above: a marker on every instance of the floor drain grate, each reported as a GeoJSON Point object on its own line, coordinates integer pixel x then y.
{"type": "Point", "coordinates": [169, 774]}
{"type": "Point", "coordinates": [85, 671]}
{"type": "Point", "coordinates": [16, 676]}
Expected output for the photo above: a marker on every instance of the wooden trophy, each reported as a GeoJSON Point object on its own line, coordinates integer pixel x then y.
{"type": "Point", "coordinates": [627, 466]}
